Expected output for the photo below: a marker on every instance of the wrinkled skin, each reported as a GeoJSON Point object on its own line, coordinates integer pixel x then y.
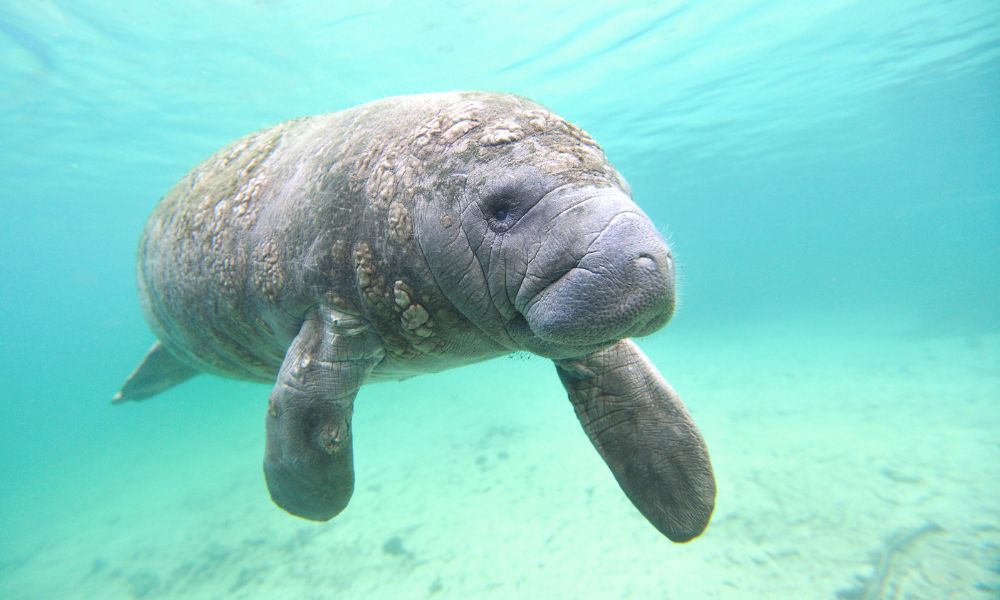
{"type": "Point", "coordinates": [408, 236]}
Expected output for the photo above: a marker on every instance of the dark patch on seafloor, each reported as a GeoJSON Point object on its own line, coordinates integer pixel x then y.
{"type": "Point", "coordinates": [394, 547]}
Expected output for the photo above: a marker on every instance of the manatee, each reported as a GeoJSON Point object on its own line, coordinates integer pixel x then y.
{"type": "Point", "coordinates": [411, 235]}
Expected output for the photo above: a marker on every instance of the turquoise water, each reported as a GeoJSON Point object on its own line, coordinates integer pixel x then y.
{"type": "Point", "coordinates": [828, 173]}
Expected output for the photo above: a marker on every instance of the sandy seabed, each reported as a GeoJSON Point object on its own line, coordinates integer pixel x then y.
{"type": "Point", "coordinates": [848, 466]}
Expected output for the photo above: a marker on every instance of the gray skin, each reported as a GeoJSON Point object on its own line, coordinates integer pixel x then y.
{"type": "Point", "coordinates": [411, 235]}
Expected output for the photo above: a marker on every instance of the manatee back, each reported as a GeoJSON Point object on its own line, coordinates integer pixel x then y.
{"type": "Point", "coordinates": [213, 264]}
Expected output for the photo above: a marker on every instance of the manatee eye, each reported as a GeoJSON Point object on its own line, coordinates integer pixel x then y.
{"type": "Point", "coordinates": [505, 200]}
{"type": "Point", "coordinates": [500, 214]}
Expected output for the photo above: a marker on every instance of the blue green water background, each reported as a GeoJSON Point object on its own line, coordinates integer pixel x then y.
{"type": "Point", "coordinates": [825, 170]}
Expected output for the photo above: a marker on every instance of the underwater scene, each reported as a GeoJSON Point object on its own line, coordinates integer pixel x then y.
{"type": "Point", "coordinates": [827, 176]}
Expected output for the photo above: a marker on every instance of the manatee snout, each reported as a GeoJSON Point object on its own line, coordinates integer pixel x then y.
{"type": "Point", "coordinates": [621, 286]}
{"type": "Point", "coordinates": [637, 252]}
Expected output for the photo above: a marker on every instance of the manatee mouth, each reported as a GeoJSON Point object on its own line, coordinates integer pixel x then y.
{"type": "Point", "coordinates": [622, 287]}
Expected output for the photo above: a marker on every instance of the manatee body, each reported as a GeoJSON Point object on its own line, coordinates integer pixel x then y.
{"type": "Point", "coordinates": [411, 235]}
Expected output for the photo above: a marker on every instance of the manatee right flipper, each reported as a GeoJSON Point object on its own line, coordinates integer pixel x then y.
{"type": "Point", "coordinates": [309, 461]}
{"type": "Point", "coordinates": [646, 436]}
{"type": "Point", "coordinates": [158, 371]}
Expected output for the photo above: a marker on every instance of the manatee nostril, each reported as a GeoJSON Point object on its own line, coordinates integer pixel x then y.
{"type": "Point", "coordinates": [646, 262]}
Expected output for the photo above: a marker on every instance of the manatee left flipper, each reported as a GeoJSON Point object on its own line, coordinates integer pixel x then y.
{"type": "Point", "coordinates": [158, 371]}
{"type": "Point", "coordinates": [646, 436]}
{"type": "Point", "coordinates": [309, 461]}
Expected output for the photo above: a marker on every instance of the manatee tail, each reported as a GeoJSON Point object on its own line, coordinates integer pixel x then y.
{"type": "Point", "coordinates": [159, 370]}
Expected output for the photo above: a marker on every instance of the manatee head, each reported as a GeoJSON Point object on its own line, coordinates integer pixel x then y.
{"type": "Point", "coordinates": [533, 235]}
